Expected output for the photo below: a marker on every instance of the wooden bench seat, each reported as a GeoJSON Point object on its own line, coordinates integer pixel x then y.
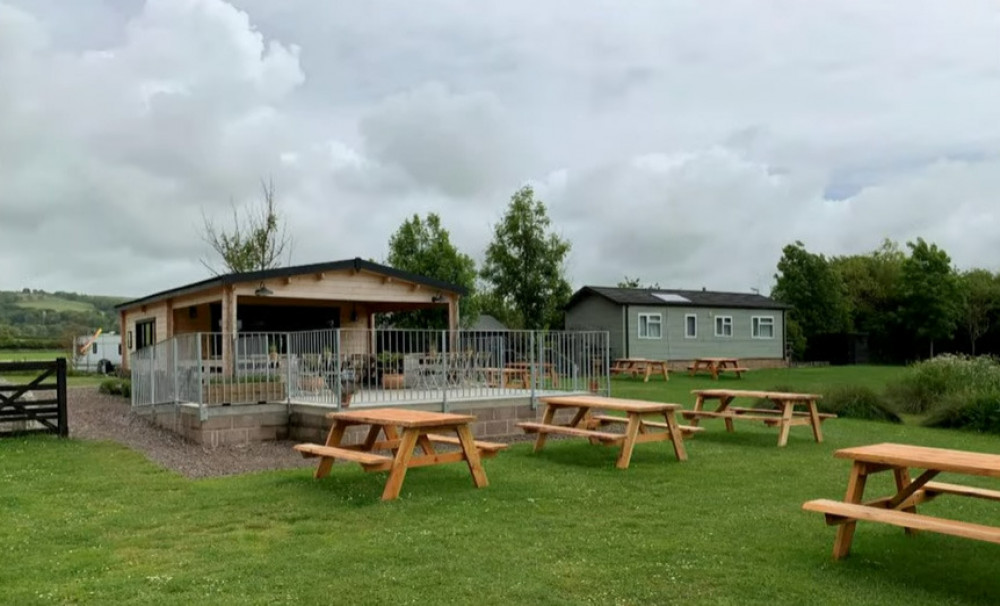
{"type": "Point", "coordinates": [777, 413]}
{"type": "Point", "coordinates": [737, 369]}
{"type": "Point", "coordinates": [486, 449]}
{"type": "Point", "coordinates": [696, 414]}
{"type": "Point", "coordinates": [603, 436]}
{"type": "Point", "coordinates": [838, 512]}
{"type": "Point", "coordinates": [687, 430]}
{"type": "Point", "coordinates": [935, 488]}
{"type": "Point", "coordinates": [347, 454]}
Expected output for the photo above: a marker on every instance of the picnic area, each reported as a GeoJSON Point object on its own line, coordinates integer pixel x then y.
{"type": "Point", "coordinates": [97, 522]}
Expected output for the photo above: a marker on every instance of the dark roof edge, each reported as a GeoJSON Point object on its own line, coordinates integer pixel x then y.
{"type": "Point", "coordinates": [585, 290]}
{"type": "Point", "coordinates": [357, 263]}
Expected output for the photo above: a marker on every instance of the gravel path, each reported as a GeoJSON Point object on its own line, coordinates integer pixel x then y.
{"type": "Point", "coordinates": [96, 416]}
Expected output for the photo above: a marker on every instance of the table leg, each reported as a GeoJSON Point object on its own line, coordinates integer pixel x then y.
{"type": "Point", "coordinates": [394, 483]}
{"type": "Point", "coordinates": [675, 436]}
{"type": "Point", "coordinates": [785, 424]}
{"type": "Point", "coordinates": [814, 421]}
{"type": "Point", "coordinates": [902, 477]}
{"type": "Point", "coordinates": [631, 432]}
{"type": "Point", "coordinates": [663, 367]}
{"type": "Point", "coordinates": [855, 492]}
{"type": "Point", "coordinates": [332, 439]}
{"type": "Point", "coordinates": [392, 435]}
{"type": "Point", "coordinates": [714, 369]}
{"type": "Point", "coordinates": [550, 412]}
{"type": "Point", "coordinates": [472, 456]}
{"type": "Point", "coordinates": [723, 406]}
{"type": "Point", "coordinates": [649, 370]}
{"type": "Point", "coordinates": [699, 404]}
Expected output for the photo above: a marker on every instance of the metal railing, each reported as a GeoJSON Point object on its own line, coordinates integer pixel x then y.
{"type": "Point", "coordinates": [354, 366]}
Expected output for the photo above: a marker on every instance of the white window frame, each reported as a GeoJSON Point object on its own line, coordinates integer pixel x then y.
{"type": "Point", "coordinates": [648, 317]}
{"type": "Point", "coordinates": [723, 321]}
{"type": "Point", "coordinates": [688, 317]}
{"type": "Point", "coordinates": [755, 324]}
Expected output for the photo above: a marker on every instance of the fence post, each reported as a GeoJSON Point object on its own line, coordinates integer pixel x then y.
{"type": "Point", "coordinates": [173, 355]}
{"type": "Point", "coordinates": [61, 397]}
{"type": "Point", "coordinates": [202, 409]}
{"type": "Point", "coordinates": [443, 366]}
{"type": "Point", "coordinates": [531, 367]}
{"type": "Point", "coordinates": [336, 366]}
{"type": "Point", "coordinates": [607, 360]}
{"type": "Point", "coordinates": [288, 369]}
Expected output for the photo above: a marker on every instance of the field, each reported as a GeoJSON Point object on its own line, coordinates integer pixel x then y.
{"type": "Point", "coordinates": [97, 523]}
{"type": "Point", "coordinates": [53, 303]}
{"type": "Point", "coordinates": [36, 355]}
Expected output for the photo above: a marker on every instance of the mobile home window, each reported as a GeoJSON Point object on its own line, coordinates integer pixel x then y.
{"type": "Point", "coordinates": [690, 326]}
{"type": "Point", "coordinates": [650, 326]}
{"type": "Point", "coordinates": [723, 326]}
{"type": "Point", "coordinates": [93, 348]}
{"type": "Point", "coordinates": [763, 327]}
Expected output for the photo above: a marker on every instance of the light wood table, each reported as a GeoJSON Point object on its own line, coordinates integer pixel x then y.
{"type": "Point", "coordinates": [585, 422]}
{"type": "Point", "coordinates": [419, 429]}
{"type": "Point", "coordinates": [784, 416]}
{"type": "Point", "coordinates": [542, 368]}
{"type": "Point", "coordinates": [714, 366]}
{"type": "Point", "coordinates": [901, 509]}
{"type": "Point", "coordinates": [640, 366]}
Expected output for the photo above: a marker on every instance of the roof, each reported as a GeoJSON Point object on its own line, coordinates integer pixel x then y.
{"type": "Point", "coordinates": [356, 263]}
{"type": "Point", "coordinates": [678, 298]}
{"type": "Point", "coordinates": [487, 322]}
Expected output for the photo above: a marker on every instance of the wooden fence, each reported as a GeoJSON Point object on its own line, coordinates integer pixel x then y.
{"type": "Point", "coordinates": [35, 406]}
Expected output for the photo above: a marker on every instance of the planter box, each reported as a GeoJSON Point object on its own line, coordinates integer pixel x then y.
{"type": "Point", "coordinates": [393, 381]}
{"type": "Point", "coordinates": [244, 393]}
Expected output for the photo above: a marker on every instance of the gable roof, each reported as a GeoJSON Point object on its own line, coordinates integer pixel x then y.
{"type": "Point", "coordinates": [356, 263]}
{"type": "Point", "coordinates": [682, 298]}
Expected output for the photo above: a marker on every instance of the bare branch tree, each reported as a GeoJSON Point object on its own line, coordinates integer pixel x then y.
{"type": "Point", "coordinates": [258, 239]}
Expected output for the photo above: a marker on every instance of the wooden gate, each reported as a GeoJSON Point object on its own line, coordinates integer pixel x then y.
{"type": "Point", "coordinates": [34, 406]}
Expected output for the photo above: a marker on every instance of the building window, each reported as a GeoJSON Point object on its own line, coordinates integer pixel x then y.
{"type": "Point", "coordinates": [723, 326]}
{"type": "Point", "coordinates": [650, 326]}
{"type": "Point", "coordinates": [690, 326]}
{"type": "Point", "coordinates": [762, 327]}
{"type": "Point", "coordinates": [145, 334]}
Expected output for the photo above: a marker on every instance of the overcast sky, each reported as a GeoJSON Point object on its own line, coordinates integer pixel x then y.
{"type": "Point", "coordinates": [681, 142]}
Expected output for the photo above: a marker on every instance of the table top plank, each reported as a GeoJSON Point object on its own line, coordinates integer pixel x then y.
{"type": "Point", "coordinates": [605, 403]}
{"type": "Point", "coordinates": [401, 417]}
{"type": "Point", "coordinates": [924, 457]}
{"type": "Point", "coordinates": [749, 393]}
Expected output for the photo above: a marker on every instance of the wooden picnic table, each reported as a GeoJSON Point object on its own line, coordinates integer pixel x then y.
{"type": "Point", "coordinates": [640, 366]}
{"type": "Point", "coordinates": [784, 416]}
{"type": "Point", "coordinates": [419, 428]}
{"type": "Point", "coordinates": [542, 368]}
{"type": "Point", "coordinates": [586, 423]}
{"type": "Point", "coordinates": [901, 508]}
{"type": "Point", "coordinates": [714, 366]}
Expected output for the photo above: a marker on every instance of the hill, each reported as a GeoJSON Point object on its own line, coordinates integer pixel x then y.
{"type": "Point", "coordinates": [35, 318]}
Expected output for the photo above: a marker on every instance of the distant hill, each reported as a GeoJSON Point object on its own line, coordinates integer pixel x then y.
{"type": "Point", "coordinates": [35, 318]}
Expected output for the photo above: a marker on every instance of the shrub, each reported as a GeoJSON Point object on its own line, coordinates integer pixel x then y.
{"type": "Point", "coordinates": [972, 411]}
{"type": "Point", "coordinates": [116, 387]}
{"type": "Point", "coordinates": [857, 402]}
{"type": "Point", "coordinates": [924, 385]}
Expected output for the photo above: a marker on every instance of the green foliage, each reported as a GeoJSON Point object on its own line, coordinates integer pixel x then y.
{"type": "Point", "coordinates": [116, 387]}
{"type": "Point", "coordinates": [857, 402]}
{"type": "Point", "coordinates": [976, 411]}
{"type": "Point", "coordinates": [257, 239]}
{"type": "Point", "coordinates": [979, 300]}
{"type": "Point", "coordinates": [424, 247]}
{"type": "Point", "coordinates": [930, 292]}
{"type": "Point", "coordinates": [809, 284]}
{"type": "Point", "coordinates": [41, 320]}
{"type": "Point", "coordinates": [924, 386]}
{"type": "Point", "coordinates": [636, 283]}
{"type": "Point", "coordinates": [524, 267]}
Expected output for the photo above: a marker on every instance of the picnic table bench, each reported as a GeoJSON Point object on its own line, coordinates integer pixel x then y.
{"type": "Point", "coordinates": [419, 429]}
{"type": "Point", "coordinates": [901, 508]}
{"type": "Point", "coordinates": [716, 365]}
{"type": "Point", "coordinates": [586, 424]}
{"type": "Point", "coordinates": [639, 366]}
{"type": "Point", "coordinates": [784, 416]}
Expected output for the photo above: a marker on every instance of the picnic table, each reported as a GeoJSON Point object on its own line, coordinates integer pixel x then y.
{"type": "Point", "coordinates": [419, 428]}
{"type": "Point", "coordinates": [542, 368]}
{"type": "Point", "coordinates": [901, 508]}
{"type": "Point", "coordinates": [714, 366]}
{"type": "Point", "coordinates": [639, 366]}
{"type": "Point", "coordinates": [784, 416]}
{"type": "Point", "coordinates": [587, 421]}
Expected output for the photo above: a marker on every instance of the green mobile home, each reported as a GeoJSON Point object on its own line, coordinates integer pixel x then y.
{"type": "Point", "coordinates": [680, 325]}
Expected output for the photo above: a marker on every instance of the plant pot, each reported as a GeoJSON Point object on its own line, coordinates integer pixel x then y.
{"type": "Point", "coordinates": [393, 381]}
{"type": "Point", "coordinates": [595, 386]}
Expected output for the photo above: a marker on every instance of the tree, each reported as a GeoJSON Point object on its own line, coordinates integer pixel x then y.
{"type": "Point", "coordinates": [978, 301]}
{"type": "Point", "coordinates": [930, 292]}
{"type": "Point", "coordinates": [809, 284]}
{"type": "Point", "coordinates": [635, 283]}
{"type": "Point", "coordinates": [524, 266]}
{"type": "Point", "coordinates": [424, 247]}
{"type": "Point", "coordinates": [257, 241]}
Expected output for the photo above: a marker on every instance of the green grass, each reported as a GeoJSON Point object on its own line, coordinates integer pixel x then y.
{"type": "Point", "coordinates": [43, 355]}
{"type": "Point", "coordinates": [98, 523]}
{"type": "Point", "coordinates": [53, 303]}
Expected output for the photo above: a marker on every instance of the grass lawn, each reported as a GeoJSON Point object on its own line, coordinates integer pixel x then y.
{"type": "Point", "coordinates": [96, 522]}
{"type": "Point", "coordinates": [53, 303]}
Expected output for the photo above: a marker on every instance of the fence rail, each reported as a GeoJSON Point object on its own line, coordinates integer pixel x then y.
{"type": "Point", "coordinates": [382, 366]}
{"type": "Point", "coordinates": [21, 408]}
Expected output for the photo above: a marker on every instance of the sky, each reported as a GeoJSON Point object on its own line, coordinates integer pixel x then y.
{"type": "Point", "coordinates": [681, 142]}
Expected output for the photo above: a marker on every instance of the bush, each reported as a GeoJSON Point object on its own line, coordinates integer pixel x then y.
{"type": "Point", "coordinates": [972, 411]}
{"type": "Point", "coordinates": [926, 384]}
{"type": "Point", "coordinates": [857, 402]}
{"type": "Point", "coordinates": [116, 387]}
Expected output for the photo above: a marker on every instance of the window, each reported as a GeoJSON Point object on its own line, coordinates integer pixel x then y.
{"type": "Point", "coordinates": [762, 327]}
{"type": "Point", "coordinates": [650, 326]}
{"type": "Point", "coordinates": [145, 334]}
{"type": "Point", "coordinates": [723, 326]}
{"type": "Point", "coordinates": [119, 349]}
{"type": "Point", "coordinates": [690, 326]}
{"type": "Point", "coordinates": [93, 348]}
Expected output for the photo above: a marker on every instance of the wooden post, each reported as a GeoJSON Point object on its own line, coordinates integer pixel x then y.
{"type": "Point", "coordinates": [61, 397]}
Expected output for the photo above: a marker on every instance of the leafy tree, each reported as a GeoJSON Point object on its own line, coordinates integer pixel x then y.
{"type": "Point", "coordinates": [930, 292]}
{"type": "Point", "coordinates": [424, 247]}
{"type": "Point", "coordinates": [636, 283]}
{"type": "Point", "coordinates": [809, 284]}
{"type": "Point", "coordinates": [978, 302]}
{"type": "Point", "coordinates": [524, 266]}
{"type": "Point", "coordinates": [257, 241]}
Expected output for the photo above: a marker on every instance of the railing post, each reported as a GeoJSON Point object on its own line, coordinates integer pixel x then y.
{"type": "Point", "coordinates": [443, 366]}
{"type": "Point", "coordinates": [336, 366]}
{"type": "Point", "coordinates": [173, 355]}
{"type": "Point", "coordinates": [288, 369]}
{"type": "Point", "coordinates": [607, 361]}
{"type": "Point", "coordinates": [202, 408]}
{"type": "Point", "coordinates": [531, 367]}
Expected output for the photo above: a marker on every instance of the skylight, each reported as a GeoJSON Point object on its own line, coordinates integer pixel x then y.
{"type": "Point", "coordinates": [669, 297]}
